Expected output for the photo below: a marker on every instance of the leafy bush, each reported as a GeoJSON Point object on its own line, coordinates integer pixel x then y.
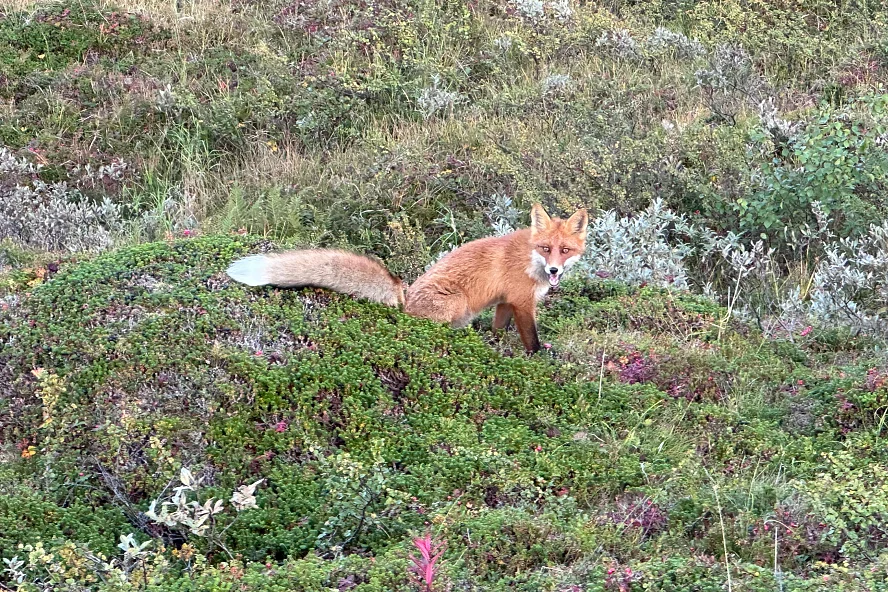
{"type": "Point", "coordinates": [662, 248]}
{"type": "Point", "coordinates": [835, 160]}
{"type": "Point", "coordinates": [55, 218]}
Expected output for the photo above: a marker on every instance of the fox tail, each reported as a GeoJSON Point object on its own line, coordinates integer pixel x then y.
{"type": "Point", "coordinates": [340, 271]}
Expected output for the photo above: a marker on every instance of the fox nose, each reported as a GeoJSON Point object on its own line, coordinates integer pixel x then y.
{"type": "Point", "coordinates": [553, 270]}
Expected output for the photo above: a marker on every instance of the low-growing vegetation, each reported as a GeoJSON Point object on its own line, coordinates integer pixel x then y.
{"type": "Point", "coordinates": [219, 435]}
{"type": "Point", "coordinates": [710, 415]}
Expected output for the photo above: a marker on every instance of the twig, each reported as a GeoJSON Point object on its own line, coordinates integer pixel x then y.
{"type": "Point", "coordinates": [721, 522]}
{"type": "Point", "coordinates": [600, 376]}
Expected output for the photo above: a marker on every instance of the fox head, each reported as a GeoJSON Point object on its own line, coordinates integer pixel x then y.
{"type": "Point", "coordinates": [557, 244]}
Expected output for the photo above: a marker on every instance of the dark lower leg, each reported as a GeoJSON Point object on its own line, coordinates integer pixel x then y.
{"type": "Point", "coordinates": [503, 316]}
{"type": "Point", "coordinates": [527, 330]}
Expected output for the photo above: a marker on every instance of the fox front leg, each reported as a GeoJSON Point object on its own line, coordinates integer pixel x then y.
{"type": "Point", "coordinates": [527, 329]}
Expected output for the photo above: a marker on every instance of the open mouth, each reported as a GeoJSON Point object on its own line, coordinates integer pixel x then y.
{"type": "Point", "coordinates": [554, 278]}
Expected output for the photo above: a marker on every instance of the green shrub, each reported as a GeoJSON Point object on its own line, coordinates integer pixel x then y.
{"type": "Point", "coordinates": [29, 515]}
{"type": "Point", "coordinates": [834, 161]}
{"type": "Point", "coordinates": [58, 36]}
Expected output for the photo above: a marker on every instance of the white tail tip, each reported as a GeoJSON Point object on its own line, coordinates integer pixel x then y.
{"type": "Point", "coordinates": [249, 270]}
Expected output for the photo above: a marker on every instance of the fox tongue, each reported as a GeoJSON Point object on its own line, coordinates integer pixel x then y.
{"type": "Point", "coordinates": [553, 279]}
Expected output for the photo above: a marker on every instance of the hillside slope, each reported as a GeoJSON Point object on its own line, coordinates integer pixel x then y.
{"type": "Point", "coordinates": [628, 461]}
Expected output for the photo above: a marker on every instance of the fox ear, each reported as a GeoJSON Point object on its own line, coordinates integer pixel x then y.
{"type": "Point", "coordinates": [577, 223]}
{"type": "Point", "coordinates": [539, 219]}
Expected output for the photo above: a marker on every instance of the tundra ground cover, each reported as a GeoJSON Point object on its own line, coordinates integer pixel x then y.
{"type": "Point", "coordinates": [710, 417]}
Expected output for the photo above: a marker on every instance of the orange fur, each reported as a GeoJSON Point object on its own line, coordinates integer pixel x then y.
{"type": "Point", "coordinates": [511, 272]}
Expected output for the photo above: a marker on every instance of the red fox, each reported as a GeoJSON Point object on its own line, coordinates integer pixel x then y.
{"type": "Point", "coordinates": [511, 272]}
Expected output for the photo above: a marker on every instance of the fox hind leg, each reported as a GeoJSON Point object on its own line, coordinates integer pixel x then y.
{"type": "Point", "coordinates": [452, 309]}
{"type": "Point", "coordinates": [503, 316]}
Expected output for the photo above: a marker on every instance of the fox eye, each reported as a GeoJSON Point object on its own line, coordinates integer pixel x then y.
{"type": "Point", "coordinates": [565, 250]}
{"type": "Point", "coordinates": [545, 249]}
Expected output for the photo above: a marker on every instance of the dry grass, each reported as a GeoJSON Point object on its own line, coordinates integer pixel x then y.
{"type": "Point", "coordinates": [19, 5]}
{"type": "Point", "coordinates": [7, 108]}
{"type": "Point", "coordinates": [170, 12]}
